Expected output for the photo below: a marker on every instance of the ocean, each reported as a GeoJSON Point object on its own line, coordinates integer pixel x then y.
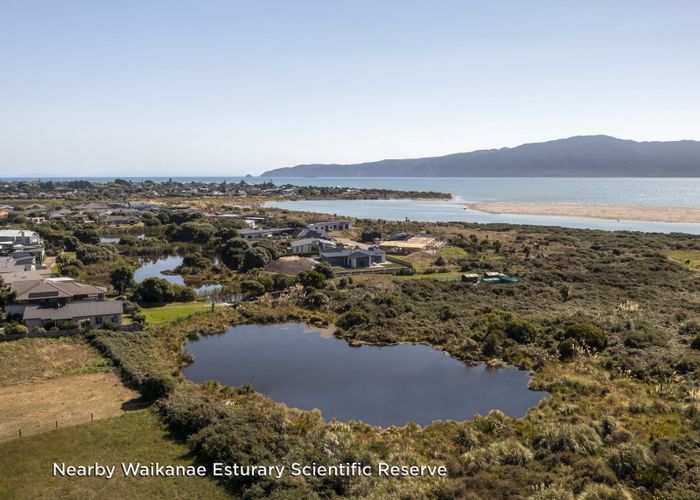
{"type": "Point", "coordinates": [660, 192]}
{"type": "Point", "coordinates": [655, 192]}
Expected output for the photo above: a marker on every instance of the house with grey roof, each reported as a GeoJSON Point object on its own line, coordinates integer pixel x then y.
{"type": "Point", "coordinates": [88, 314]}
{"type": "Point", "coordinates": [333, 225]}
{"type": "Point", "coordinates": [356, 258]}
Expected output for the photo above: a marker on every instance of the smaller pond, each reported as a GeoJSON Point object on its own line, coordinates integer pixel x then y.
{"type": "Point", "coordinates": [379, 385]}
{"type": "Point", "coordinates": [109, 239]}
{"type": "Point", "coordinates": [153, 268]}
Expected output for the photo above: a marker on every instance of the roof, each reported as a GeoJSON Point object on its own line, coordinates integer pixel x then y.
{"type": "Point", "coordinates": [45, 289]}
{"type": "Point", "coordinates": [351, 252]}
{"type": "Point", "coordinates": [72, 310]}
{"type": "Point", "coordinates": [264, 231]}
{"type": "Point", "coordinates": [16, 233]}
{"type": "Point", "coordinates": [9, 278]}
{"type": "Point", "coordinates": [305, 241]}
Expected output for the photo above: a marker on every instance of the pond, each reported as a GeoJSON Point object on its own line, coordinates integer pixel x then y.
{"type": "Point", "coordinates": [378, 385]}
{"type": "Point", "coordinates": [153, 268]}
{"type": "Point", "coordinates": [109, 239]}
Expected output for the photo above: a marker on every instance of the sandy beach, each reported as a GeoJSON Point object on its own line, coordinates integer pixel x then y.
{"type": "Point", "coordinates": [655, 214]}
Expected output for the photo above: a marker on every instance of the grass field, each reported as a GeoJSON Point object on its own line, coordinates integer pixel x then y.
{"type": "Point", "coordinates": [689, 258]}
{"type": "Point", "coordinates": [26, 464]}
{"type": "Point", "coordinates": [39, 359]}
{"type": "Point", "coordinates": [172, 312]}
{"type": "Point", "coordinates": [39, 405]}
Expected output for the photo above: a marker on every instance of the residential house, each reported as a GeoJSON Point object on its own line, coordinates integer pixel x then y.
{"type": "Point", "coordinates": [328, 226]}
{"type": "Point", "coordinates": [256, 234]}
{"type": "Point", "coordinates": [412, 244]}
{"type": "Point", "coordinates": [353, 258]}
{"type": "Point", "coordinates": [48, 292]}
{"type": "Point", "coordinates": [309, 245]}
{"type": "Point", "coordinates": [20, 236]}
{"type": "Point", "coordinates": [87, 314]}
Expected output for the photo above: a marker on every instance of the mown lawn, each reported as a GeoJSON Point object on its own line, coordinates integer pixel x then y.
{"type": "Point", "coordinates": [172, 312]}
{"type": "Point", "coordinates": [26, 464]}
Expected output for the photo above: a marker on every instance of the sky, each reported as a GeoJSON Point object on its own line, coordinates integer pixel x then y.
{"type": "Point", "coordinates": [210, 87]}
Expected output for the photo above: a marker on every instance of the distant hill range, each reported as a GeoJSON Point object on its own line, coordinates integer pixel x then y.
{"type": "Point", "coordinates": [582, 156]}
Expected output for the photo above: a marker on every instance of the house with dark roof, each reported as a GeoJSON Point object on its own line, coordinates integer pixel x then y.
{"type": "Point", "coordinates": [87, 313]}
{"type": "Point", "coordinates": [353, 258]}
{"type": "Point", "coordinates": [309, 245]}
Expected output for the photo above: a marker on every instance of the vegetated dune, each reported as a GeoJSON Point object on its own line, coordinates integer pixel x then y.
{"type": "Point", "coordinates": [613, 212]}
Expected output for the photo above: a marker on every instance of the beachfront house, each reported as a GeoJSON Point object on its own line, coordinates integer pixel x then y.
{"type": "Point", "coordinates": [257, 234]}
{"type": "Point", "coordinates": [328, 226]}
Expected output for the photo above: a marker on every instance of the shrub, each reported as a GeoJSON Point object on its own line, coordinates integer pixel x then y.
{"type": "Point", "coordinates": [587, 334]}
{"type": "Point", "coordinates": [351, 319]}
{"type": "Point", "coordinates": [252, 288]}
{"type": "Point", "coordinates": [16, 329]}
{"type": "Point", "coordinates": [312, 279]}
{"type": "Point", "coordinates": [596, 491]}
{"type": "Point", "coordinates": [629, 459]}
{"type": "Point", "coordinates": [93, 254]}
{"type": "Point", "coordinates": [690, 328]}
{"type": "Point", "coordinates": [695, 343]}
{"type": "Point", "coordinates": [316, 300]}
{"type": "Point", "coordinates": [187, 413]}
{"type": "Point", "coordinates": [574, 438]}
{"type": "Point", "coordinates": [325, 269]}
{"type": "Point", "coordinates": [567, 348]}
{"type": "Point", "coordinates": [466, 439]}
{"type": "Point", "coordinates": [521, 331]}
{"type": "Point", "coordinates": [506, 452]}
{"type": "Point", "coordinates": [157, 385]}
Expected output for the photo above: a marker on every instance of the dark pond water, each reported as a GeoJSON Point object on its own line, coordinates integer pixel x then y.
{"type": "Point", "coordinates": [153, 268]}
{"type": "Point", "coordinates": [378, 385]}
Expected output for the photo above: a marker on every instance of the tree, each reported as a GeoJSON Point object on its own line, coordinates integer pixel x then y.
{"type": "Point", "coordinates": [252, 288]}
{"type": "Point", "coordinates": [325, 269]}
{"type": "Point", "coordinates": [92, 254]}
{"type": "Point", "coordinates": [71, 243]}
{"type": "Point", "coordinates": [191, 232]}
{"type": "Point", "coordinates": [154, 291]}
{"type": "Point", "coordinates": [87, 235]}
{"type": "Point", "coordinates": [255, 257]}
{"type": "Point", "coordinates": [122, 278]}
{"type": "Point", "coordinates": [312, 279]}
{"type": "Point", "coordinates": [232, 252]}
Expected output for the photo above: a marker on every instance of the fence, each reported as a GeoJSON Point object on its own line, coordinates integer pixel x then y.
{"type": "Point", "coordinates": [9, 432]}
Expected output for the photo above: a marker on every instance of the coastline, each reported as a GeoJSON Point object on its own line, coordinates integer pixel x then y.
{"type": "Point", "coordinates": [606, 212]}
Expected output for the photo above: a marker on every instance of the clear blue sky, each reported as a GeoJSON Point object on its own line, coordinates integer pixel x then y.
{"type": "Point", "coordinates": [226, 87]}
